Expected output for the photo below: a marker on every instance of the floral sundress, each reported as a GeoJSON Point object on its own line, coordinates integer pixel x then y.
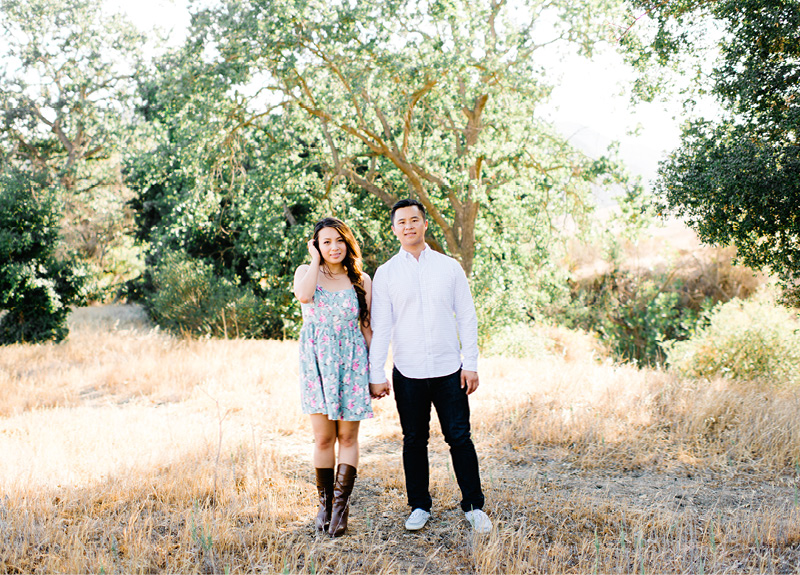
{"type": "Point", "coordinates": [334, 377]}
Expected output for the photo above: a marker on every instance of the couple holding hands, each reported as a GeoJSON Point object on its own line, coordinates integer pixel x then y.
{"type": "Point", "coordinates": [419, 301]}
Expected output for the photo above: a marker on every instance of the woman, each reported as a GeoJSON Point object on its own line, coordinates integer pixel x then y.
{"type": "Point", "coordinates": [334, 382]}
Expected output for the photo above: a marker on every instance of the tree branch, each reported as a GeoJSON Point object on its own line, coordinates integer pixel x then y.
{"type": "Point", "coordinates": [415, 97]}
{"type": "Point", "coordinates": [473, 127]}
{"type": "Point", "coordinates": [378, 145]}
{"type": "Point", "coordinates": [338, 73]}
{"type": "Point", "coordinates": [371, 187]}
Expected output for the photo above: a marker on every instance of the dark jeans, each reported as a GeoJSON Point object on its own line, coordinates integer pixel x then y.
{"type": "Point", "coordinates": [414, 398]}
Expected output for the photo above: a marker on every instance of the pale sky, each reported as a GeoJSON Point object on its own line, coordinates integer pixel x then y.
{"type": "Point", "coordinates": [589, 106]}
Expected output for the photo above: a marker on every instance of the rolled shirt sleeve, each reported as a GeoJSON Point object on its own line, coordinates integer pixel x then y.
{"type": "Point", "coordinates": [467, 321]}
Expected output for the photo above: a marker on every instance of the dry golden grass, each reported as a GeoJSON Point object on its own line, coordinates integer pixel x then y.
{"type": "Point", "coordinates": [127, 450]}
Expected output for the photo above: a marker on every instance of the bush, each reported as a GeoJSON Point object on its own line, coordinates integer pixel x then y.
{"type": "Point", "coordinates": [634, 312]}
{"type": "Point", "coordinates": [190, 300]}
{"type": "Point", "coordinates": [638, 299]}
{"type": "Point", "coordinates": [754, 340]}
{"type": "Point", "coordinates": [38, 282]}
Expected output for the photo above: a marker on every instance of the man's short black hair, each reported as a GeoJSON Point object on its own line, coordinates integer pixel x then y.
{"type": "Point", "coordinates": [408, 202]}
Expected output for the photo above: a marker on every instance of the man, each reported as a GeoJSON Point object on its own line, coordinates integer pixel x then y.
{"type": "Point", "coordinates": [421, 303]}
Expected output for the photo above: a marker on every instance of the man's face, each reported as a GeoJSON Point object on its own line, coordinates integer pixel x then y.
{"type": "Point", "coordinates": [409, 226]}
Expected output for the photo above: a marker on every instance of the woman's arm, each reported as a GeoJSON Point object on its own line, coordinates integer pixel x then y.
{"type": "Point", "coordinates": [305, 278]}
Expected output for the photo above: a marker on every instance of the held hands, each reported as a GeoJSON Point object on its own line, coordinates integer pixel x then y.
{"type": "Point", "coordinates": [379, 390]}
{"type": "Point", "coordinates": [469, 379]}
{"type": "Point", "coordinates": [316, 256]}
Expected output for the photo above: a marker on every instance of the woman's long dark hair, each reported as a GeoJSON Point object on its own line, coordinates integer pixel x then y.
{"type": "Point", "coordinates": [351, 263]}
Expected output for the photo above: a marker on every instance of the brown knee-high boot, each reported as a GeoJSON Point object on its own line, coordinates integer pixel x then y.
{"type": "Point", "coordinates": [342, 488]}
{"type": "Point", "coordinates": [325, 490]}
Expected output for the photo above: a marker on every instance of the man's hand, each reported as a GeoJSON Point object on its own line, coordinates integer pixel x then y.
{"type": "Point", "coordinates": [469, 379]}
{"type": "Point", "coordinates": [379, 390]}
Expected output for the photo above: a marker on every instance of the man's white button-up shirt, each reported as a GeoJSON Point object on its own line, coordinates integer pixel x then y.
{"type": "Point", "coordinates": [424, 307]}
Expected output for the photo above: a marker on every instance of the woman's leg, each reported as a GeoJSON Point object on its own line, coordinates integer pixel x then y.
{"type": "Point", "coordinates": [324, 441]}
{"type": "Point", "coordinates": [347, 436]}
{"type": "Point", "coordinates": [324, 461]}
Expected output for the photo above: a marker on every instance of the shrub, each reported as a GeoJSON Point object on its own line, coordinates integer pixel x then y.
{"type": "Point", "coordinates": [753, 340]}
{"type": "Point", "coordinates": [641, 319]}
{"type": "Point", "coordinates": [38, 281]}
{"type": "Point", "coordinates": [633, 312]}
{"type": "Point", "coordinates": [637, 298]}
{"type": "Point", "coordinates": [189, 299]}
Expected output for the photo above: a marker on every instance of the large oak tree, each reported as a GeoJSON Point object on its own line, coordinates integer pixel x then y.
{"type": "Point", "coordinates": [431, 99]}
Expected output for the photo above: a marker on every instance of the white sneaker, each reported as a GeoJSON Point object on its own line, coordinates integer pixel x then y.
{"type": "Point", "coordinates": [417, 519]}
{"type": "Point", "coordinates": [479, 520]}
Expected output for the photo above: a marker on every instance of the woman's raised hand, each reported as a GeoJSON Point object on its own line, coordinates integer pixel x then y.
{"type": "Point", "coordinates": [316, 256]}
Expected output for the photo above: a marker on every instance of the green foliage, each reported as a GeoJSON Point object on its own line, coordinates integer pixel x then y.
{"type": "Point", "coordinates": [189, 299]}
{"type": "Point", "coordinates": [733, 186]}
{"type": "Point", "coordinates": [37, 282]}
{"type": "Point", "coordinates": [633, 311]}
{"type": "Point", "coordinates": [754, 340]}
{"type": "Point", "coordinates": [273, 114]}
{"type": "Point", "coordinates": [437, 101]}
{"type": "Point", "coordinates": [636, 299]}
{"type": "Point", "coordinates": [66, 85]}
{"type": "Point", "coordinates": [736, 179]}
{"type": "Point", "coordinates": [505, 291]}
{"type": "Point", "coordinates": [235, 179]}
{"type": "Point", "coordinates": [241, 200]}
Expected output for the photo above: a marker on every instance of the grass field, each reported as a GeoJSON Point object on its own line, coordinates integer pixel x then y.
{"type": "Point", "coordinates": [127, 450]}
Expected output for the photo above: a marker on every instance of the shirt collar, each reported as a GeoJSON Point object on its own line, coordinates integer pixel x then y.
{"type": "Point", "coordinates": [423, 254]}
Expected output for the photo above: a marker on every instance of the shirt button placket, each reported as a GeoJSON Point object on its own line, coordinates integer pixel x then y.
{"type": "Point", "coordinates": [428, 318]}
